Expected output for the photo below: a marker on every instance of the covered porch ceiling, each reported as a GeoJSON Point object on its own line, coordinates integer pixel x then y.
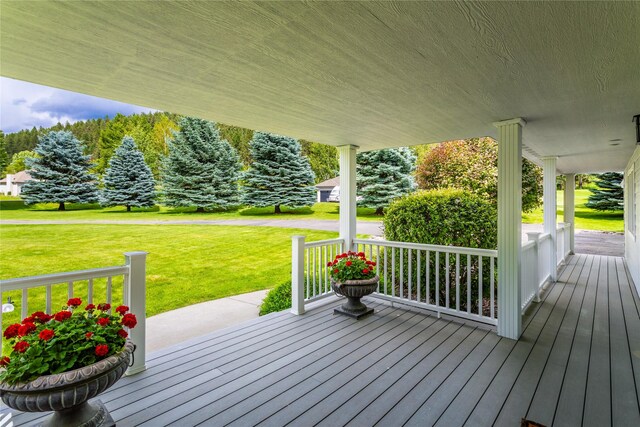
{"type": "Point", "coordinates": [372, 74]}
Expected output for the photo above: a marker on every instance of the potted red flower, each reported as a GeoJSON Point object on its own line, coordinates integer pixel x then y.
{"type": "Point", "coordinates": [353, 276]}
{"type": "Point", "coordinates": [62, 360]}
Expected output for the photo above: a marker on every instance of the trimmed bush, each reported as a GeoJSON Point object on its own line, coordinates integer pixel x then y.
{"type": "Point", "coordinates": [446, 217]}
{"type": "Point", "coordinates": [278, 299]}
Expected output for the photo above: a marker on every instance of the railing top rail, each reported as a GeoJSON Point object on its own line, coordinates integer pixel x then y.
{"type": "Point", "coordinates": [322, 243]}
{"type": "Point", "coordinates": [71, 276]}
{"type": "Point", "coordinates": [528, 245]}
{"type": "Point", "coordinates": [544, 236]}
{"type": "Point", "coordinates": [423, 246]}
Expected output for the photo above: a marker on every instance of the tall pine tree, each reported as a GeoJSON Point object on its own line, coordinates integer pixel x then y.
{"type": "Point", "coordinates": [128, 180]}
{"type": "Point", "coordinates": [279, 175]}
{"type": "Point", "coordinates": [61, 172]}
{"type": "Point", "coordinates": [201, 170]}
{"type": "Point", "coordinates": [609, 196]}
{"type": "Point", "coordinates": [384, 175]}
{"type": "Point", "coordinates": [4, 157]}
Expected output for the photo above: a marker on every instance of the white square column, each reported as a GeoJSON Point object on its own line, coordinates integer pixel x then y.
{"type": "Point", "coordinates": [550, 207]}
{"type": "Point", "coordinates": [570, 208]}
{"type": "Point", "coordinates": [348, 194]}
{"type": "Point", "coordinates": [509, 227]}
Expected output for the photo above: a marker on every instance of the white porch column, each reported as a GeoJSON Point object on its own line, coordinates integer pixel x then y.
{"type": "Point", "coordinates": [570, 208]}
{"type": "Point", "coordinates": [509, 226]}
{"type": "Point", "coordinates": [348, 194]}
{"type": "Point", "coordinates": [550, 207]}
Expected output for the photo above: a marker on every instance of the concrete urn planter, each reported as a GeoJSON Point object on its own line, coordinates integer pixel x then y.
{"type": "Point", "coordinates": [354, 290]}
{"type": "Point", "coordinates": [67, 393]}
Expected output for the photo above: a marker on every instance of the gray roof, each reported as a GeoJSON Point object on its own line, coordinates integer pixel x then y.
{"type": "Point", "coordinates": [330, 183]}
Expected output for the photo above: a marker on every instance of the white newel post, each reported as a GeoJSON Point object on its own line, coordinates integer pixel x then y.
{"type": "Point", "coordinates": [550, 211]}
{"type": "Point", "coordinates": [297, 275]}
{"type": "Point", "coordinates": [570, 209]}
{"type": "Point", "coordinates": [509, 226]}
{"type": "Point", "coordinates": [348, 194]}
{"type": "Point", "coordinates": [135, 297]}
{"type": "Point", "coordinates": [534, 236]}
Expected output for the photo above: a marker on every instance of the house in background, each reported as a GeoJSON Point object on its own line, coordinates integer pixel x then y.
{"type": "Point", "coordinates": [324, 188]}
{"type": "Point", "coordinates": [11, 185]}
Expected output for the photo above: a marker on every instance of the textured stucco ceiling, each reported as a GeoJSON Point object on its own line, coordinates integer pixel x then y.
{"type": "Point", "coordinates": [373, 74]}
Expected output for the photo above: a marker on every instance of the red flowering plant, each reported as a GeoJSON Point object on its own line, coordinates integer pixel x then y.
{"type": "Point", "coordinates": [351, 266]}
{"type": "Point", "coordinates": [70, 339]}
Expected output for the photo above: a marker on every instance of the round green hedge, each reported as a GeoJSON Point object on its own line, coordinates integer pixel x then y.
{"type": "Point", "coordinates": [278, 299]}
{"type": "Point", "coordinates": [446, 217]}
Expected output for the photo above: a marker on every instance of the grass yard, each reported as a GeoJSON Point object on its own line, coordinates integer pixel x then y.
{"type": "Point", "coordinates": [186, 264]}
{"type": "Point", "coordinates": [586, 219]}
{"type": "Point", "coordinates": [12, 208]}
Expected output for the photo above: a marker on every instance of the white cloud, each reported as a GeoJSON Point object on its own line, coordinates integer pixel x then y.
{"type": "Point", "coordinates": [25, 105]}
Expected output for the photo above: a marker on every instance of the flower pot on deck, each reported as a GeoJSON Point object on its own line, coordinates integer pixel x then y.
{"type": "Point", "coordinates": [354, 290]}
{"type": "Point", "coordinates": [67, 393]}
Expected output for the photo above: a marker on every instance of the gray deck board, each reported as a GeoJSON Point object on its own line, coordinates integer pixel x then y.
{"type": "Point", "coordinates": [545, 399]}
{"type": "Point", "coordinates": [577, 363]}
{"type": "Point", "coordinates": [597, 401]}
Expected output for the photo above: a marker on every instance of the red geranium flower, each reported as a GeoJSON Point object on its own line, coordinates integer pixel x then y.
{"type": "Point", "coordinates": [46, 334]}
{"type": "Point", "coordinates": [103, 321]}
{"type": "Point", "coordinates": [21, 346]}
{"type": "Point", "coordinates": [348, 263]}
{"type": "Point", "coordinates": [62, 315]}
{"type": "Point", "coordinates": [26, 329]}
{"type": "Point", "coordinates": [29, 319]}
{"type": "Point", "coordinates": [361, 254]}
{"type": "Point", "coordinates": [365, 271]}
{"type": "Point", "coordinates": [74, 302]}
{"type": "Point", "coordinates": [104, 306]}
{"type": "Point", "coordinates": [102, 350]}
{"type": "Point", "coordinates": [88, 335]}
{"type": "Point", "coordinates": [90, 307]}
{"type": "Point", "coordinates": [11, 331]}
{"type": "Point", "coordinates": [129, 320]}
{"type": "Point", "coordinates": [41, 317]}
{"type": "Point", "coordinates": [4, 361]}
{"type": "Point", "coordinates": [123, 333]}
{"type": "Point", "coordinates": [329, 264]}
{"type": "Point", "coordinates": [335, 270]}
{"type": "Point", "coordinates": [122, 309]}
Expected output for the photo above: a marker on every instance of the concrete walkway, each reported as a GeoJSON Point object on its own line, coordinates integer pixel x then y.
{"type": "Point", "coordinates": [176, 326]}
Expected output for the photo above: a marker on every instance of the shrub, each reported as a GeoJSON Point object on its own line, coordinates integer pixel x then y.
{"type": "Point", "coordinates": [440, 217]}
{"type": "Point", "coordinates": [443, 217]}
{"type": "Point", "coordinates": [278, 299]}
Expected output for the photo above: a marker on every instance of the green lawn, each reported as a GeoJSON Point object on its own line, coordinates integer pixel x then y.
{"type": "Point", "coordinates": [586, 219]}
{"type": "Point", "coordinates": [12, 208]}
{"type": "Point", "coordinates": [186, 264]}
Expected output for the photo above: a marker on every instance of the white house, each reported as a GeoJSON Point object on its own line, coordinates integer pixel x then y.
{"type": "Point", "coordinates": [324, 188]}
{"type": "Point", "coordinates": [11, 185]}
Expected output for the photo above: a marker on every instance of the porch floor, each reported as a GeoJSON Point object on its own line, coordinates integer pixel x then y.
{"type": "Point", "coordinates": [578, 362]}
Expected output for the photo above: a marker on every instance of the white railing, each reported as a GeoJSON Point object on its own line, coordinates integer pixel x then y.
{"type": "Point", "coordinates": [535, 267]}
{"type": "Point", "coordinates": [446, 279]}
{"type": "Point", "coordinates": [132, 275]}
{"type": "Point", "coordinates": [309, 274]}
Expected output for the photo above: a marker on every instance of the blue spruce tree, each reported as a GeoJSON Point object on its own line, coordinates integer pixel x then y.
{"type": "Point", "coordinates": [279, 175]}
{"type": "Point", "coordinates": [128, 180]}
{"type": "Point", "coordinates": [609, 196]}
{"type": "Point", "coordinates": [384, 175]}
{"type": "Point", "coordinates": [61, 172]}
{"type": "Point", "coordinates": [201, 170]}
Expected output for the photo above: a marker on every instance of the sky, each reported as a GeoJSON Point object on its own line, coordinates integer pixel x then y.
{"type": "Point", "coordinates": [24, 105]}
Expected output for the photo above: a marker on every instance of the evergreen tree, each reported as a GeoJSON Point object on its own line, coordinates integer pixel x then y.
{"type": "Point", "coordinates": [609, 194]}
{"type": "Point", "coordinates": [4, 157]}
{"type": "Point", "coordinates": [384, 175]}
{"type": "Point", "coordinates": [60, 172]}
{"type": "Point", "coordinates": [128, 180]}
{"type": "Point", "coordinates": [279, 175]}
{"type": "Point", "coordinates": [201, 170]}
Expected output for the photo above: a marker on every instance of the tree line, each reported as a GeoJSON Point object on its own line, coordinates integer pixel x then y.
{"type": "Point", "coordinates": [151, 131]}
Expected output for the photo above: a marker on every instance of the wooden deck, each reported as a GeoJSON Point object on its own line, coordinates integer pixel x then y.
{"type": "Point", "coordinates": [577, 363]}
